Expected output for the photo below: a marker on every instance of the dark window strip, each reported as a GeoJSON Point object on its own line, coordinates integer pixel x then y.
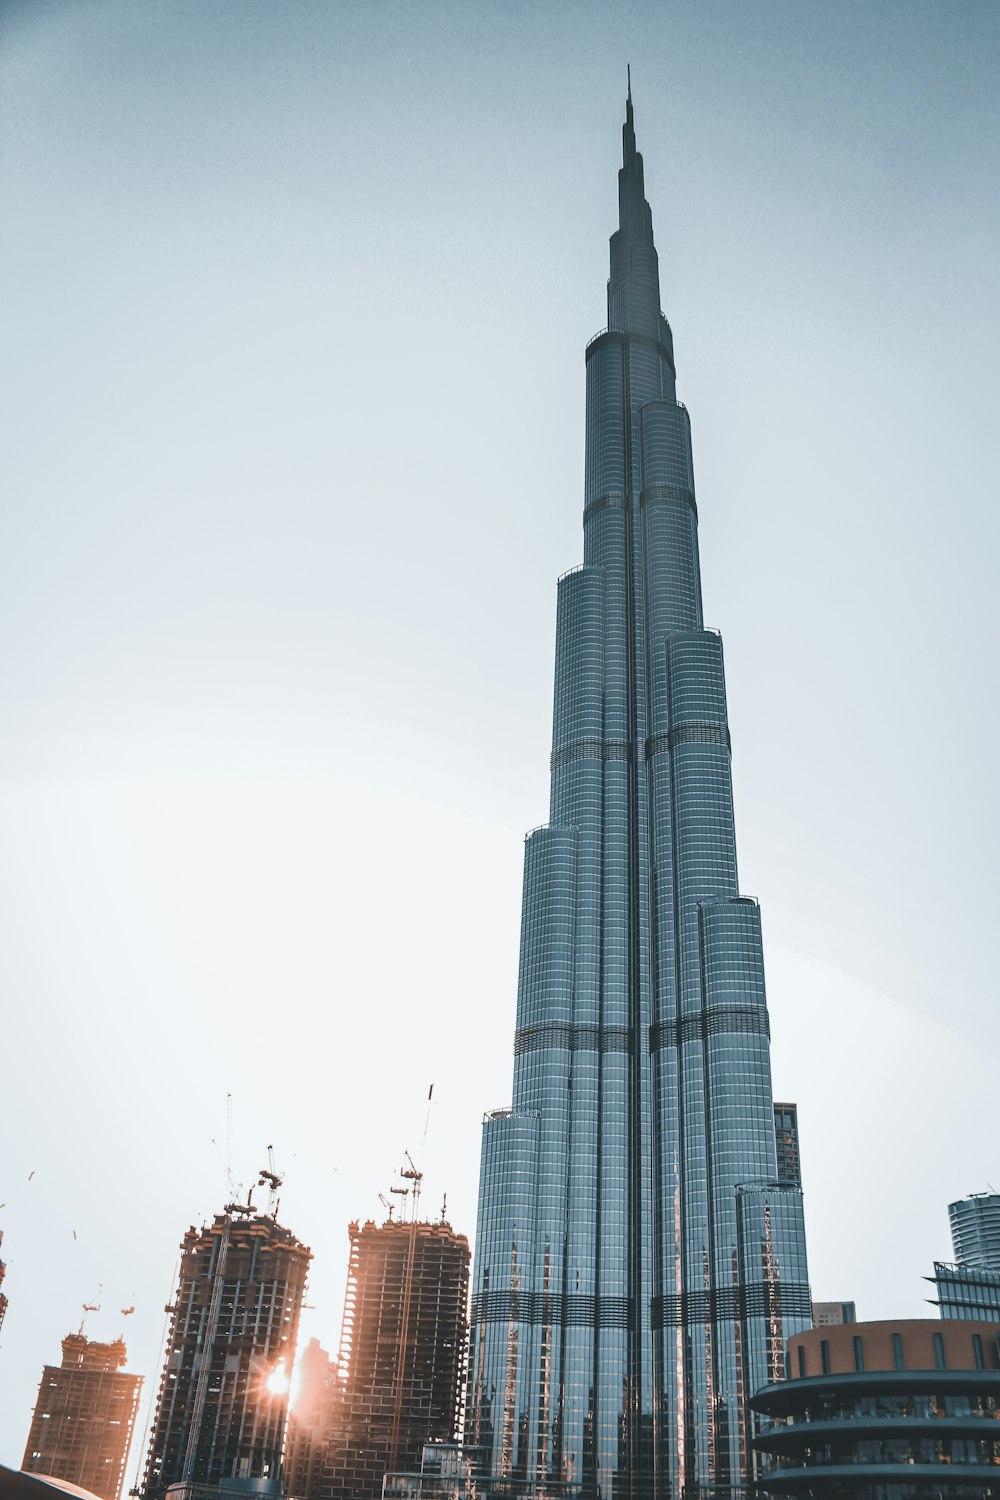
{"type": "Point", "coordinates": [615, 336]}
{"type": "Point", "coordinates": [666, 494]}
{"type": "Point", "coordinates": [593, 748]}
{"type": "Point", "coordinates": [719, 1020]}
{"type": "Point", "coordinates": [698, 732]}
{"type": "Point", "coordinates": [572, 1310]}
{"type": "Point", "coordinates": [613, 500]}
{"type": "Point", "coordinates": [725, 1304]}
{"type": "Point", "coordinates": [578, 1310]}
{"type": "Point", "coordinates": [571, 1038]}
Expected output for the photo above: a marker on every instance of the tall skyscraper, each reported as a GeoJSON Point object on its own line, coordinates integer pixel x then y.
{"type": "Point", "coordinates": [975, 1230]}
{"type": "Point", "coordinates": [969, 1288]}
{"type": "Point", "coordinates": [402, 1353]}
{"type": "Point", "coordinates": [223, 1399]}
{"type": "Point", "coordinates": [81, 1429]}
{"type": "Point", "coordinates": [638, 1263]}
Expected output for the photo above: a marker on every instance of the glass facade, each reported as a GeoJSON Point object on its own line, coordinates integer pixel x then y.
{"type": "Point", "coordinates": [966, 1292]}
{"type": "Point", "coordinates": [786, 1135]}
{"type": "Point", "coordinates": [639, 1264]}
{"type": "Point", "coordinates": [975, 1231]}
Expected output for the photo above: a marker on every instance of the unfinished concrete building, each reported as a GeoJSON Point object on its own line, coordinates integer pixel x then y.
{"type": "Point", "coordinates": [82, 1425]}
{"type": "Point", "coordinates": [402, 1353]}
{"type": "Point", "coordinates": [311, 1420]}
{"type": "Point", "coordinates": [222, 1406]}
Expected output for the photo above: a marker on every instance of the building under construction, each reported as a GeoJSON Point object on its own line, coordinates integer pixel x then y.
{"type": "Point", "coordinates": [311, 1420]}
{"type": "Point", "coordinates": [222, 1406]}
{"type": "Point", "coordinates": [82, 1425]}
{"type": "Point", "coordinates": [402, 1353]}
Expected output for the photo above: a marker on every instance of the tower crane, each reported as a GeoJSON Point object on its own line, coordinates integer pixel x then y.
{"type": "Point", "coordinates": [89, 1307]}
{"type": "Point", "coordinates": [414, 1175]}
{"type": "Point", "coordinates": [269, 1178]}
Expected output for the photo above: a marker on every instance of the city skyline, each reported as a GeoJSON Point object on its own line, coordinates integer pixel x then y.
{"type": "Point", "coordinates": [192, 750]}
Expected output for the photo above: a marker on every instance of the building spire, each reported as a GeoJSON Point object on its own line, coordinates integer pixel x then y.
{"type": "Point", "coordinates": [634, 220]}
{"type": "Point", "coordinates": [630, 159]}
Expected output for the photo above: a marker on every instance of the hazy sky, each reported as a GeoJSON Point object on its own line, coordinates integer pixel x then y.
{"type": "Point", "coordinates": [295, 297]}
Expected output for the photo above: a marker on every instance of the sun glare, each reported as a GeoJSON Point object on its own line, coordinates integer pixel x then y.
{"type": "Point", "coordinates": [278, 1382]}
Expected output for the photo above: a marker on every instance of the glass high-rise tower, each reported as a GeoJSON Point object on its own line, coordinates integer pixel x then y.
{"type": "Point", "coordinates": [975, 1230]}
{"type": "Point", "coordinates": [638, 1262]}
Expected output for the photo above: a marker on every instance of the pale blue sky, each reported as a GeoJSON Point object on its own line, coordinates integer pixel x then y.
{"type": "Point", "coordinates": [292, 357]}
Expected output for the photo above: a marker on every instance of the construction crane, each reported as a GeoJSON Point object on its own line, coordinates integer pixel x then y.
{"type": "Point", "coordinates": [89, 1307]}
{"type": "Point", "coordinates": [410, 1173]}
{"type": "Point", "coordinates": [269, 1178]}
{"type": "Point", "coordinates": [389, 1207]}
{"type": "Point", "coordinates": [245, 1209]}
{"type": "Point", "coordinates": [414, 1175]}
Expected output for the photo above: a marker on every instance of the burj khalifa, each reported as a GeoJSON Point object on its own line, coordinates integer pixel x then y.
{"type": "Point", "coordinates": [639, 1261]}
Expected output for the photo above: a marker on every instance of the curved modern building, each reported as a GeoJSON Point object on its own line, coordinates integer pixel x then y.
{"type": "Point", "coordinates": [970, 1287]}
{"type": "Point", "coordinates": [975, 1230]}
{"type": "Point", "coordinates": [639, 1264]}
{"type": "Point", "coordinates": [885, 1411]}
